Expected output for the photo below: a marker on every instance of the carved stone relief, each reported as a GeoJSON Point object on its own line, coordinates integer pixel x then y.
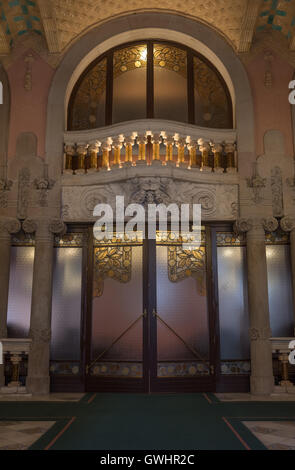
{"type": "Point", "coordinates": [23, 193]}
{"type": "Point", "coordinates": [277, 191]}
{"type": "Point", "coordinates": [218, 201]}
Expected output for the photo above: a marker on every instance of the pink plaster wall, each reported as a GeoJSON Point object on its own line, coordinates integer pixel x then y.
{"type": "Point", "coordinates": [29, 108]}
{"type": "Point", "coordinates": [271, 106]}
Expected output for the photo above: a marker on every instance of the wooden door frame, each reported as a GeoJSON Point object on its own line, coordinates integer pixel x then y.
{"type": "Point", "coordinates": [150, 382]}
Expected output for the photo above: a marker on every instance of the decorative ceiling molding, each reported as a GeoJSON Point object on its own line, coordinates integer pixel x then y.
{"type": "Point", "coordinates": [248, 26]}
{"type": "Point", "coordinates": [50, 25]}
{"type": "Point", "coordinates": [73, 18]}
{"type": "Point", "coordinates": [270, 41]}
{"type": "Point", "coordinates": [4, 43]}
{"type": "Point", "coordinates": [278, 15]}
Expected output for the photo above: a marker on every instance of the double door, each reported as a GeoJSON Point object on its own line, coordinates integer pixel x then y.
{"type": "Point", "coordinates": [152, 323]}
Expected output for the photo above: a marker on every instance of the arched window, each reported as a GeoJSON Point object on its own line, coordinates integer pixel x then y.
{"type": "Point", "coordinates": [152, 79]}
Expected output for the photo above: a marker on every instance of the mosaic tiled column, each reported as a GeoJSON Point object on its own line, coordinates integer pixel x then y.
{"type": "Point", "coordinates": [262, 380]}
{"type": "Point", "coordinates": [38, 381]}
{"type": "Point", "coordinates": [8, 226]}
{"type": "Point", "coordinates": [288, 225]}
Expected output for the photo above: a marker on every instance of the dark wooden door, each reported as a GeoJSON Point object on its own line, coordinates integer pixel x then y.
{"type": "Point", "coordinates": [152, 320]}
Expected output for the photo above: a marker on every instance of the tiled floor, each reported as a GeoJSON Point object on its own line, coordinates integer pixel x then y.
{"type": "Point", "coordinates": [72, 397]}
{"type": "Point", "coordinates": [249, 397]}
{"type": "Point", "coordinates": [275, 435]}
{"type": "Point", "coordinates": [20, 435]}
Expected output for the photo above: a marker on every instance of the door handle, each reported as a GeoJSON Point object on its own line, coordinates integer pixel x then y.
{"type": "Point", "coordinates": [154, 313]}
{"type": "Point", "coordinates": [144, 313]}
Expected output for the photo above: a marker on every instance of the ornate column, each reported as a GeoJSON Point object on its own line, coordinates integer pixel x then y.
{"type": "Point", "coordinates": [156, 140]}
{"type": "Point", "coordinates": [38, 381]}
{"type": "Point", "coordinates": [142, 141]}
{"type": "Point", "coordinates": [81, 152]}
{"type": "Point", "coordinates": [92, 159]}
{"type": "Point", "coordinates": [69, 155]}
{"type": "Point", "coordinates": [117, 145]}
{"type": "Point", "coordinates": [288, 225]}
{"type": "Point", "coordinates": [181, 144]}
{"type": "Point", "coordinates": [105, 146]}
{"type": "Point", "coordinates": [8, 226]}
{"type": "Point", "coordinates": [205, 150]}
{"type": "Point", "coordinates": [169, 142]}
{"type": "Point", "coordinates": [217, 151]}
{"type": "Point", "coordinates": [262, 380]}
{"type": "Point", "coordinates": [129, 141]}
{"type": "Point", "coordinates": [193, 158]}
{"type": "Point", "coordinates": [230, 150]}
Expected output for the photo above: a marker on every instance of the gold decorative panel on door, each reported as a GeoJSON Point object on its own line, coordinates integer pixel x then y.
{"type": "Point", "coordinates": [117, 318]}
{"type": "Point", "coordinates": [182, 314]}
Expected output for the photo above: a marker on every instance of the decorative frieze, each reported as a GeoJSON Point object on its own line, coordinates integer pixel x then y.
{"type": "Point", "coordinates": [218, 201]}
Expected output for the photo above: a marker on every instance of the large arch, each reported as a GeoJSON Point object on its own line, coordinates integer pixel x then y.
{"type": "Point", "coordinates": [4, 119]}
{"type": "Point", "coordinates": [141, 26]}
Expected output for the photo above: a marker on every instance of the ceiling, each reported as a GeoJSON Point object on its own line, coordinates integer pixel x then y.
{"type": "Point", "coordinates": [60, 22]}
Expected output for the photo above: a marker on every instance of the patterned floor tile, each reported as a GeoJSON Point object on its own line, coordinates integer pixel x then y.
{"type": "Point", "coordinates": [275, 435]}
{"type": "Point", "coordinates": [20, 435]}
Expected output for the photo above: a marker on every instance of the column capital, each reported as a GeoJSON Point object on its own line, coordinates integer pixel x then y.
{"type": "Point", "coordinates": [268, 224]}
{"type": "Point", "coordinates": [44, 226]}
{"type": "Point", "coordinates": [243, 225]}
{"type": "Point", "coordinates": [9, 226]}
{"type": "Point", "coordinates": [288, 224]}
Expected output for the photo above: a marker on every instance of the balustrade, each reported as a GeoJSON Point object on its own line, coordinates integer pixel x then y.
{"type": "Point", "coordinates": [109, 149]}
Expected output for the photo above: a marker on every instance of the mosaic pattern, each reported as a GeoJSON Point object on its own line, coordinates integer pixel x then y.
{"type": "Point", "coordinates": [235, 367]}
{"type": "Point", "coordinates": [278, 15]}
{"type": "Point", "coordinates": [230, 239]}
{"type": "Point", "coordinates": [275, 435]}
{"type": "Point", "coordinates": [20, 17]}
{"type": "Point", "coordinates": [23, 239]}
{"type": "Point", "coordinates": [20, 435]}
{"type": "Point", "coordinates": [70, 240]}
{"type": "Point", "coordinates": [164, 238]}
{"type": "Point", "coordinates": [120, 239]}
{"type": "Point", "coordinates": [183, 369]}
{"type": "Point", "coordinates": [117, 369]}
{"type": "Point", "coordinates": [277, 238]}
{"type": "Point", "coordinates": [65, 368]}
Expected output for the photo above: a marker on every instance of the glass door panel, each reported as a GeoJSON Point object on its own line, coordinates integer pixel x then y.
{"type": "Point", "coordinates": [117, 319]}
{"type": "Point", "coordinates": [182, 312]}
